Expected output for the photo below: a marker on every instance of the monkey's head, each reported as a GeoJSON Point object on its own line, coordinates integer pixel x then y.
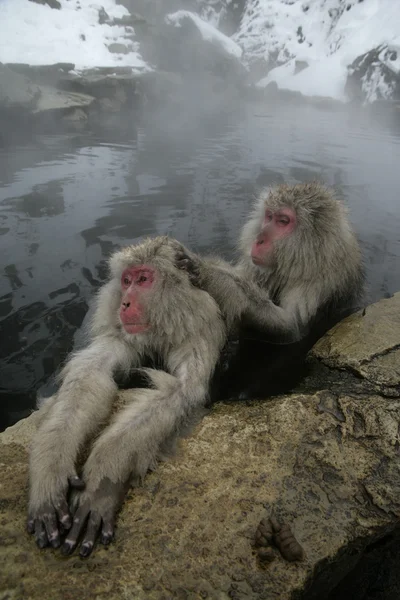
{"type": "Point", "coordinates": [293, 225]}
{"type": "Point", "coordinates": [150, 285]}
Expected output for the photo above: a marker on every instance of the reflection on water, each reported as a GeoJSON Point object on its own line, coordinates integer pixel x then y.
{"type": "Point", "coordinates": [67, 201]}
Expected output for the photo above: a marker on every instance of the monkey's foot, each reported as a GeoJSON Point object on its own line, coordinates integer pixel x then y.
{"type": "Point", "coordinates": [95, 517]}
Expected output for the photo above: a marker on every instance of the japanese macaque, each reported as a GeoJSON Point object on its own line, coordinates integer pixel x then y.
{"type": "Point", "coordinates": [148, 308]}
{"type": "Point", "coordinates": [300, 271]}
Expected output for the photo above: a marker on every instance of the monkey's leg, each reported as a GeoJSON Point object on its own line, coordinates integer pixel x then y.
{"type": "Point", "coordinates": [129, 446]}
{"type": "Point", "coordinates": [83, 402]}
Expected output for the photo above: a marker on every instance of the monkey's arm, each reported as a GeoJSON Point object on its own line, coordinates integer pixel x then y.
{"type": "Point", "coordinates": [83, 402]}
{"type": "Point", "coordinates": [283, 324]}
{"type": "Point", "coordinates": [242, 299]}
{"type": "Point", "coordinates": [134, 441]}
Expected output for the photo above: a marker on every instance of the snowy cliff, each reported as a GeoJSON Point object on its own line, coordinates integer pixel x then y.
{"type": "Point", "coordinates": [307, 45]}
{"type": "Point", "coordinates": [345, 49]}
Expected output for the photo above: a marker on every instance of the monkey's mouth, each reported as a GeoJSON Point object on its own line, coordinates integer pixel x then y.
{"type": "Point", "coordinates": [256, 260]}
{"type": "Point", "coordinates": [133, 328]}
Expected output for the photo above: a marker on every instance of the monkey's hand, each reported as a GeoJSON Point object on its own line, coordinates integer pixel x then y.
{"type": "Point", "coordinates": [49, 516]}
{"type": "Point", "coordinates": [95, 516]}
{"type": "Point", "coordinates": [191, 263]}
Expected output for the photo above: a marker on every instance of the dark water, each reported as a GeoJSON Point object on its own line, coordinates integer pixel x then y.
{"type": "Point", "coordinates": [67, 201]}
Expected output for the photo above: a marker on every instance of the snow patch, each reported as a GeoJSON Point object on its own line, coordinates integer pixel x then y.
{"type": "Point", "coordinates": [38, 35]}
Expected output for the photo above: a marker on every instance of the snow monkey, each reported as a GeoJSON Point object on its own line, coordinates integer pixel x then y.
{"type": "Point", "coordinates": [299, 272]}
{"type": "Point", "coordinates": [148, 307]}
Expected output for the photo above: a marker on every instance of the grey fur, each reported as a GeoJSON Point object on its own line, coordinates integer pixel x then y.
{"type": "Point", "coordinates": [318, 266]}
{"type": "Point", "coordinates": [186, 330]}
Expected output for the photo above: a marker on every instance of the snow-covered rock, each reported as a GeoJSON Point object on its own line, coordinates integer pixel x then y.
{"type": "Point", "coordinates": [329, 35]}
{"type": "Point", "coordinates": [208, 32]}
{"type": "Point", "coordinates": [197, 47]}
{"type": "Point", "coordinates": [37, 34]}
{"type": "Point", "coordinates": [343, 49]}
{"type": "Point", "coordinates": [375, 75]}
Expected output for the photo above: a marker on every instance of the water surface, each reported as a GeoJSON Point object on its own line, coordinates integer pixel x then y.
{"type": "Point", "coordinates": [67, 201]}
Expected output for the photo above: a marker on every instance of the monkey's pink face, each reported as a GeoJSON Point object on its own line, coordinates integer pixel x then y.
{"type": "Point", "coordinates": [135, 282]}
{"type": "Point", "coordinates": [275, 226]}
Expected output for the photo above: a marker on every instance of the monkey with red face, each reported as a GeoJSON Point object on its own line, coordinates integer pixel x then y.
{"type": "Point", "coordinates": [300, 270]}
{"type": "Point", "coordinates": [148, 308]}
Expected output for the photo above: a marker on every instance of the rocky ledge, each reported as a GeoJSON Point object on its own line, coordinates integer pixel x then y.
{"type": "Point", "coordinates": [324, 459]}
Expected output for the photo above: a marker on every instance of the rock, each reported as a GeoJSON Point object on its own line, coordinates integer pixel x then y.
{"type": "Point", "coordinates": [51, 3]}
{"type": "Point", "coordinates": [368, 344]}
{"type": "Point", "coordinates": [120, 48]}
{"type": "Point", "coordinates": [375, 76]}
{"type": "Point", "coordinates": [130, 20]}
{"type": "Point", "coordinates": [36, 71]}
{"type": "Point", "coordinates": [76, 119]}
{"type": "Point", "coordinates": [195, 46]}
{"type": "Point", "coordinates": [327, 463]}
{"type": "Point", "coordinates": [17, 91]}
{"type": "Point", "coordinates": [52, 99]}
{"type": "Point", "coordinates": [299, 65]}
{"type": "Point", "coordinates": [103, 16]}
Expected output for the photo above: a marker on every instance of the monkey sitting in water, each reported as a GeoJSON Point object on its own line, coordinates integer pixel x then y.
{"type": "Point", "coordinates": [148, 308]}
{"type": "Point", "coordinates": [300, 271]}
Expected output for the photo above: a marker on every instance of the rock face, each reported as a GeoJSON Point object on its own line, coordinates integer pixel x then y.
{"type": "Point", "coordinates": [16, 90]}
{"type": "Point", "coordinates": [327, 462]}
{"type": "Point", "coordinates": [375, 76]}
{"type": "Point", "coordinates": [51, 3]}
{"type": "Point", "coordinates": [368, 344]}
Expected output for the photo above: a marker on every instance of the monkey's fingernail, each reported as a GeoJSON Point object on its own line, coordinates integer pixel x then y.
{"type": "Point", "coordinates": [86, 549]}
{"type": "Point", "coordinates": [55, 543]}
{"type": "Point", "coordinates": [106, 538]}
{"type": "Point", "coordinates": [67, 547]}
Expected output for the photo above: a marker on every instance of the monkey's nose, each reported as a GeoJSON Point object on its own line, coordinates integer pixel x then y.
{"type": "Point", "coordinates": [260, 242]}
{"type": "Point", "coordinates": [126, 305]}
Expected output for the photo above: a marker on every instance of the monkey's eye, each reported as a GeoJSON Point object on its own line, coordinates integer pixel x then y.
{"type": "Point", "coordinates": [142, 278]}
{"type": "Point", "coordinates": [126, 281]}
{"type": "Point", "coordinates": [283, 220]}
{"type": "Point", "coordinates": [268, 215]}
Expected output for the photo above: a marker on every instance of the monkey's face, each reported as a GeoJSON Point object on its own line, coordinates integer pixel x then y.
{"type": "Point", "coordinates": [137, 283]}
{"type": "Point", "coordinates": [275, 227]}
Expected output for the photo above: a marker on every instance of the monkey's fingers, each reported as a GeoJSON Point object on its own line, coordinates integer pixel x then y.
{"type": "Point", "coordinates": [71, 540]}
{"type": "Point", "coordinates": [63, 515]}
{"type": "Point", "coordinates": [92, 531]}
{"type": "Point", "coordinates": [40, 534]}
{"type": "Point", "coordinates": [51, 527]}
{"type": "Point", "coordinates": [107, 531]}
